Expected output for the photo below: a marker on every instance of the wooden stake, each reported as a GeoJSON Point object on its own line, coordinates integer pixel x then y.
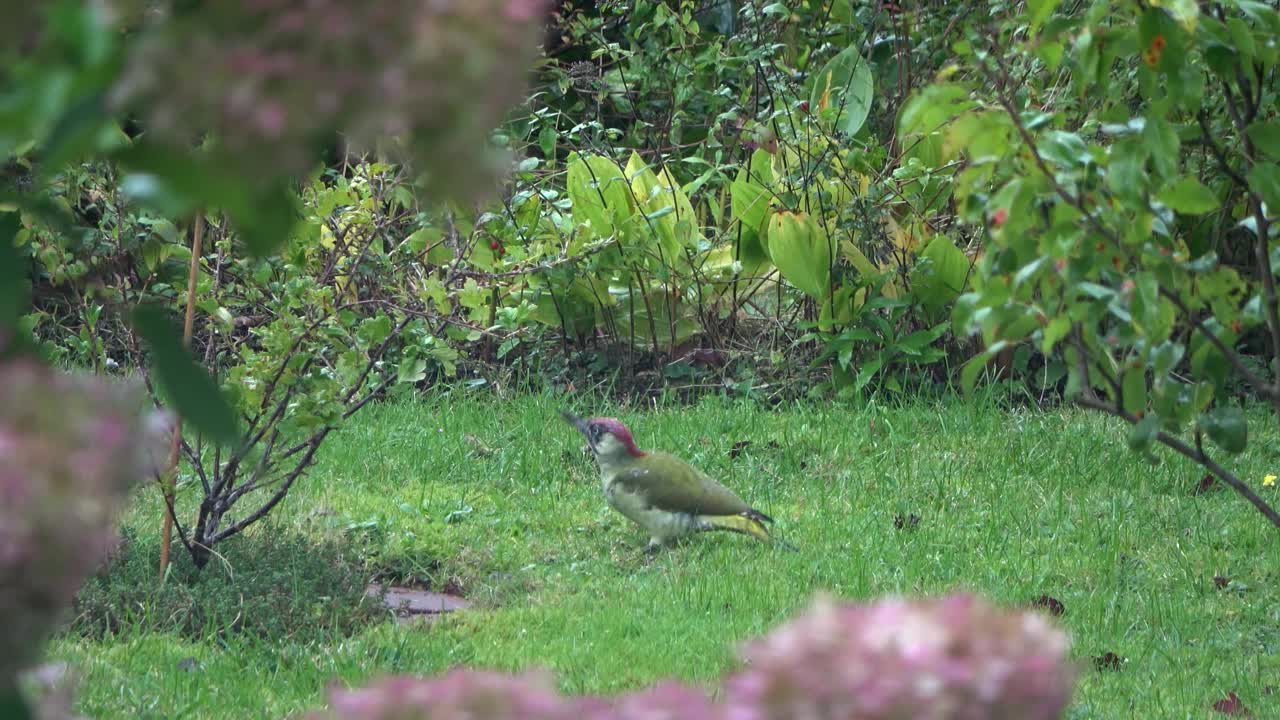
{"type": "Point", "coordinates": [171, 478]}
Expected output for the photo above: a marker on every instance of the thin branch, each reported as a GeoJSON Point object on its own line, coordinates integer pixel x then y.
{"type": "Point", "coordinates": [1257, 383]}
{"type": "Point", "coordinates": [1198, 457]}
{"type": "Point", "coordinates": [279, 495]}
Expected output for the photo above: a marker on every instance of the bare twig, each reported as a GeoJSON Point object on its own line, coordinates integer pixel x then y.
{"type": "Point", "coordinates": [1197, 456]}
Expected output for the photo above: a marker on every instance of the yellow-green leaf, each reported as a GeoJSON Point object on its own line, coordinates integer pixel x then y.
{"type": "Point", "coordinates": [1189, 196]}
{"type": "Point", "coordinates": [801, 251]}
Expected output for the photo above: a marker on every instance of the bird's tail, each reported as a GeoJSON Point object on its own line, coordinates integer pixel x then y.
{"type": "Point", "coordinates": [745, 524]}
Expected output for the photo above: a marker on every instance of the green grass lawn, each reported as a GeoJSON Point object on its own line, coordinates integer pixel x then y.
{"type": "Point", "coordinates": [1013, 504]}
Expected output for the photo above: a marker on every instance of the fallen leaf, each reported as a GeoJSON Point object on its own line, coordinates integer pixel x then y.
{"type": "Point", "coordinates": [1108, 661]}
{"type": "Point", "coordinates": [707, 358]}
{"type": "Point", "coordinates": [1052, 604]}
{"type": "Point", "coordinates": [1232, 705]}
{"type": "Point", "coordinates": [1221, 582]}
{"type": "Point", "coordinates": [909, 522]}
{"type": "Point", "coordinates": [738, 447]}
{"type": "Point", "coordinates": [1207, 483]}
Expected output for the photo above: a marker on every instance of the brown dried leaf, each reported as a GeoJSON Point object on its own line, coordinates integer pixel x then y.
{"type": "Point", "coordinates": [1108, 661]}
{"type": "Point", "coordinates": [1053, 605]}
{"type": "Point", "coordinates": [1232, 705]}
{"type": "Point", "coordinates": [1208, 483]}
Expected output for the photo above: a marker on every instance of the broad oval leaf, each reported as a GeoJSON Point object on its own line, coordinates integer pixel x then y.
{"type": "Point", "coordinates": [1188, 196]}
{"type": "Point", "coordinates": [845, 83]}
{"type": "Point", "coordinates": [801, 252]}
{"type": "Point", "coordinates": [946, 276]}
{"type": "Point", "coordinates": [665, 206]}
{"type": "Point", "coordinates": [600, 194]}
{"type": "Point", "coordinates": [1227, 428]}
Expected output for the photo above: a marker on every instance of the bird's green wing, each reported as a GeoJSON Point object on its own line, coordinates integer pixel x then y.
{"type": "Point", "coordinates": [669, 483]}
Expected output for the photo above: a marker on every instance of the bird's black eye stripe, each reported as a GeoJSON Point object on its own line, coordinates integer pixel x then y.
{"type": "Point", "coordinates": [594, 430]}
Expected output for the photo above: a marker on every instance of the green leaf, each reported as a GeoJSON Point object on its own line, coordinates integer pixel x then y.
{"type": "Point", "coordinates": [1264, 179]}
{"type": "Point", "coordinates": [845, 83]}
{"type": "Point", "coordinates": [1188, 196]}
{"type": "Point", "coordinates": [1165, 356]}
{"type": "Point", "coordinates": [13, 283]}
{"type": "Point", "coordinates": [750, 204]}
{"type": "Point", "coordinates": [948, 271]}
{"type": "Point", "coordinates": [800, 250]}
{"type": "Point", "coordinates": [868, 371]}
{"type": "Point", "coordinates": [374, 330]}
{"type": "Point", "coordinates": [1185, 12]}
{"type": "Point", "coordinates": [667, 209]}
{"type": "Point", "coordinates": [1134, 390]}
{"type": "Point", "coordinates": [1227, 428]}
{"type": "Point", "coordinates": [1039, 11]}
{"type": "Point", "coordinates": [972, 369]}
{"type": "Point", "coordinates": [412, 370]}
{"type": "Point", "coordinates": [931, 107]}
{"type": "Point", "coordinates": [507, 346]}
{"type": "Point", "coordinates": [1265, 135]}
{"type": "Point", "coordinates": [1142, 435]}
{"type": "Point", "coordinates": [431, 240]}
{"type": "Point", "coordinates": [189, 387]}
{"type": "Point", "coordinates": [1054, 332]}
{"type": "Point", "coordinates": [1126, 169]}
{"type": "Point", "coordinates": [600, 194]}
{"type": "Point", "coordinates": [1065, 149]}
{"type": "Point", "coordinates": [1162, 145]}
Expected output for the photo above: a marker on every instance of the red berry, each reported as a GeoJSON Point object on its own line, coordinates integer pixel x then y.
{"type": "Point", "coordinates": [804, 105]}
{"type": "Point", "coordinates": [999, 217]}
{"type": "Point", "coordinates": [493, 245]}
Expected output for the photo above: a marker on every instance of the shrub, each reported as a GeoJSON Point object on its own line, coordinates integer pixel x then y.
{"type": "Point", "coordinates": [271, 585]}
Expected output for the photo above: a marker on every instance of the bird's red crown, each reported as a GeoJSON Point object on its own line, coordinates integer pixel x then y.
{"type": "Point", "coordinates": [620, 431]}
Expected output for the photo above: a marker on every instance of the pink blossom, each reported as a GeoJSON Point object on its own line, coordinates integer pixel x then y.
{"type": "Point", "coordinates": [72, 447]}
{"type": "Point", "coordinates": [271, 79]}
{"type": "Point", "coordinates": [456, 695]}
{"type": "Point", "coordinates": [954, 658]}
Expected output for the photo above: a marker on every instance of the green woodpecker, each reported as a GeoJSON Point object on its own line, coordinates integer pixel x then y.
{"type": "Point", "coordinates": [661, 493]}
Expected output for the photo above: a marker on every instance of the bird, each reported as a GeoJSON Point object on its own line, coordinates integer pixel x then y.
{"type": "Point", "coordinates": [666, 496]}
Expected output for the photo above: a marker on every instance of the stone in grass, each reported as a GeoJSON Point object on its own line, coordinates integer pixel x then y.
{"type": "Point", "coordinates": [411, 604]}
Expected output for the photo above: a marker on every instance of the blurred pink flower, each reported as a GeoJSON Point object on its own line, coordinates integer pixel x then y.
{"type": "Point", "coordinates": [71, 447]}
{"type": "Point", "coordinates": [274, 80]}
{"type": "Point", "coordinates": [456, 695]}
{"type": "Point", "coordinates": [954, 658]}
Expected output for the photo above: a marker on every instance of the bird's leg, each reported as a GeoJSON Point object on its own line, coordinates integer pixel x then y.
{"type": "Point", "coordinates": [653, 548]}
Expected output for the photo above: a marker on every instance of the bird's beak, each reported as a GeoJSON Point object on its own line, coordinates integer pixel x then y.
{"type": "Point", "coordinates": [575, 421]}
